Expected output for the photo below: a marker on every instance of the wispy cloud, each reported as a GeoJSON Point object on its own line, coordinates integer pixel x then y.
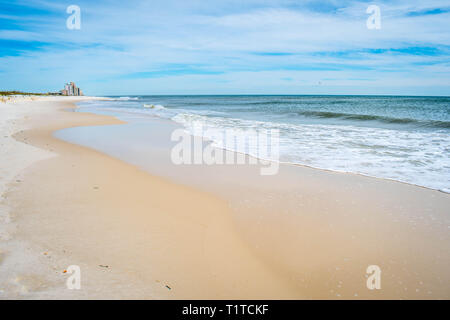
{"type": "Point", "coordinates": [430, 11]}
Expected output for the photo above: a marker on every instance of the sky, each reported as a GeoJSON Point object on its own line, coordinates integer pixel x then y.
{"type": "Point", "coordinates": [226, 47]}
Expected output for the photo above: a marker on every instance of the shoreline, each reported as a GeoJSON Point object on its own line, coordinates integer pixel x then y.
{"type": "Point", "coordinates": [273, 267]}
{"type": "Point", "coordinates": [399, 177]}
{"type": "Point", "coordinates": [295, 164]}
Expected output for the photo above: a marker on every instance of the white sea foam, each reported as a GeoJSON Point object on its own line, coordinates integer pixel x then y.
{"type": "Point", "coordinates": [154, 107]}
{"type": "Point", "coordinates": [126, 98]}
{"type": "Point", "coordinates": [413, 157]}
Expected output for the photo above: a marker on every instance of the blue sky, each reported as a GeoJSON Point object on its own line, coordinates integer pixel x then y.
{"type": "Point", "coordinates": [227, 47]}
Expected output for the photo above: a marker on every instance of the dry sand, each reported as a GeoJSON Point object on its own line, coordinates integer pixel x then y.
{"type": "Point", "coordinates": [307, 234]}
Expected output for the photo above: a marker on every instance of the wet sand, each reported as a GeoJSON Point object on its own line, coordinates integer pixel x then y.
{"type": "Point", "coordinates": [132, 234]}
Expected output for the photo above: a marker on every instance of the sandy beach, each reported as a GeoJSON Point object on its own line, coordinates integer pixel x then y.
{"type": "Point", "coordinates": [153, 231]}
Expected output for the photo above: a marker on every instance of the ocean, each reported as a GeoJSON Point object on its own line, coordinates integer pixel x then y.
{"type": "Point", "coordinates": [392, 137]}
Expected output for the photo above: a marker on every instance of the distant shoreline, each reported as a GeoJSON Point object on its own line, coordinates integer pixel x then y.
{"type": "Point", "coordinates": [20, 93]}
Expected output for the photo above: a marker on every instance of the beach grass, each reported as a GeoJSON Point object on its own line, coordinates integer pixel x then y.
{"type": "Point", "coordinates": [16, 93]}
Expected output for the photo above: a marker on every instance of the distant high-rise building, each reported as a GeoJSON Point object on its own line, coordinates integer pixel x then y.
{"type": "Point", "coordinates": [70, 89]}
